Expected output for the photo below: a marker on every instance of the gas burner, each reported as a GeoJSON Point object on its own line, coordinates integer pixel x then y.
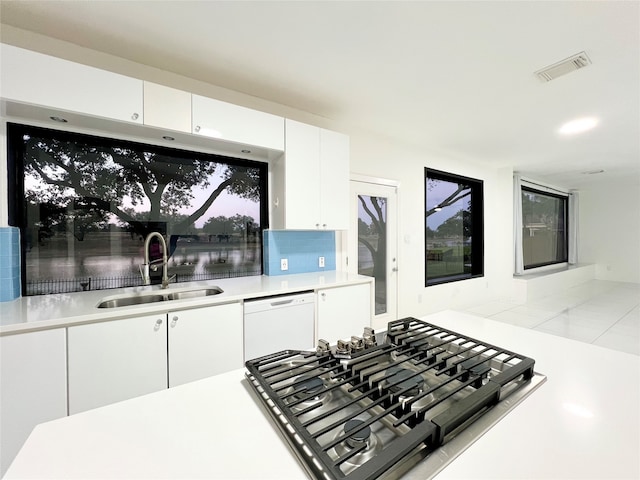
{"type": "Point", "coordinates": [400, 378]}
{"type": "Point", "coordinates": [307, 391]}
{"type": "Point", "coordinates": [408, 379]}
{"type": "Point", "coordinates": [364, 437]}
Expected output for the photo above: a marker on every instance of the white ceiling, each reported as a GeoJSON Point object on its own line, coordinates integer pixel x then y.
{"type": "Point", "coordinates": [454, 77]}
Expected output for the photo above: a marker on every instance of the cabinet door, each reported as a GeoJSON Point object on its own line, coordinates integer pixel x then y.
{"type": "Point", "coordinates": [166, 107]}
{"type": "Point", "coordinates": [204, 342]}
{"type": "Point", "coordinates": [33, 370]}
{"type": "Point", "coordinates": [302, 176]}
{"type": "Point", "coordinates": [38, 79]}
{"type": "Point", "coordinates": [334, 180]}
{"type": "Point", "coordinates": [213, 118]}
{"type": "Point", "coordinates": [343, 312]}
{"type": "Point", "coordinates": [116, 360]}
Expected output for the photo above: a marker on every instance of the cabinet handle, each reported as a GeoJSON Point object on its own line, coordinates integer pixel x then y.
{"type": "Point", "coordinates": [135, 116]}
{"type": "Point", "coordinates": [323, 295]}
{"type": "Point", "coordinates": [174, 320]}
{"type": "Point", "coordinates": [157, 325]}
{"type": "Point", "coordinates": [197, 128]}
{"type": "Point", "coordinates": [324, 225]}
{"type": "Point", "coordinates": [317, 225]}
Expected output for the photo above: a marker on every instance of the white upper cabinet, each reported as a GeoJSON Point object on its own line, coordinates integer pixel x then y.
{"type": "Point", "coordinates": [166, 107]}
{"type": "Point", "coordinates": [34, 78]}
{"type": "Point", "coordinates": [315, 179]}
{"type": "Point", "coordinates": [334, 180]}
{"type": "Point", "coordinates": [302, 176]}
{"type": "Point", "coordinates": [216, 119]}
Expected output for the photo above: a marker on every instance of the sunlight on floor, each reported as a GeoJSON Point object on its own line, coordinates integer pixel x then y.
{"type": "Point", "coordinates": [600, 312]}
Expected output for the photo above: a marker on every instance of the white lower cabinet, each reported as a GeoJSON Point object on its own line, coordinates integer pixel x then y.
{"type": "Point", "coordinates": [116, 360]}
{"type": "Point", "coordinates": [121, 359]}
{"type": "Point", "coordinates": [343, 312]}
{"type": "Point", "coordinates": [33, 374]}
{"type": "Point", "coordinates": [204, 342]}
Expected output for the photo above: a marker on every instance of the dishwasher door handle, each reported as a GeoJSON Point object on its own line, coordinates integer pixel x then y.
{"type": "Point", "coordinates": [282, 302]}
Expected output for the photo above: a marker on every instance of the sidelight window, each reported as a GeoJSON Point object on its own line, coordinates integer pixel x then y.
{"type": "Point", "coordinates": [84, 205]}
{"type": "Point", "coordinates": [453, 227]}
{"type": "Point", "coordinates": [544, 228]}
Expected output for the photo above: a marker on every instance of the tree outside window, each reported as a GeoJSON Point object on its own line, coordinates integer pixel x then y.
{"type": "Point", "coordinates": [85, 205]}
{"type": "Point", "coordinates": [453, 227]}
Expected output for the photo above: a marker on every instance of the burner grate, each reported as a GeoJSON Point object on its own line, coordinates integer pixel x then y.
{"type": "Point", "coordinates": [363, 415]}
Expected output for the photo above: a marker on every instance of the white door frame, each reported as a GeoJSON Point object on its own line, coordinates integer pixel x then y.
{"type": "Point", "coordinates": [379, 321]}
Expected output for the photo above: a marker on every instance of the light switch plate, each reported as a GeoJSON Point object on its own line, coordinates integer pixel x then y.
{"type": "Point", "coordinates": [284, 264]}
{"type": "Point", "coordinates": [321, 262]}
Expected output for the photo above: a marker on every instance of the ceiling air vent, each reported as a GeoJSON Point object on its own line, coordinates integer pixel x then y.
{"type": "Point", "coordinates": [568, 65]}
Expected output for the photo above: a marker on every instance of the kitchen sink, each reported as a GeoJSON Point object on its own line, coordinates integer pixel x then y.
{"type": "Point", "coordinates": [205, 292]}
{"type": "Point", "coordinates": [129, 300]}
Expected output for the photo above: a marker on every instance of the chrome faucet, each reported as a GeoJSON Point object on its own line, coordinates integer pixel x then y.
{"type": "Point", "coordinates": [146, 278]}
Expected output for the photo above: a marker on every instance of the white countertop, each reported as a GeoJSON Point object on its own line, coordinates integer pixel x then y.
{"type": "Point", "coordinates": [61, 310]}
{"type": "Point", "coordinates": [583, 422]}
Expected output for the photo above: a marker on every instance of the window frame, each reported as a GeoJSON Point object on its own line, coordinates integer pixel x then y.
{"type": "Point", "coordinates": [565, 199]}
{"type": "Point", "coordinates": [477, 226]}
{"type": "Point", "coordinates": [16, 188]}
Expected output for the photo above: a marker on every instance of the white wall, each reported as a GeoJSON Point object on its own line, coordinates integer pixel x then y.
{"type": "Point", "coordinates": [609, 230]}
{"type": "Point", "coordinates": [382, 158]}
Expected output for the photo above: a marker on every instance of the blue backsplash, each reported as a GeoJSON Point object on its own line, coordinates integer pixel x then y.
{"type": "Point", "coordinates": [9, 263]}
{"type": "Point", "coordinates": [301, 248]}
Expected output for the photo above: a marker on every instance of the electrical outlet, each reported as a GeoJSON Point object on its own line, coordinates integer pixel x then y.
{"type": "Point", "coordinates": [321, 262]}
{"type": "Point", "coordinates": [284, 264]}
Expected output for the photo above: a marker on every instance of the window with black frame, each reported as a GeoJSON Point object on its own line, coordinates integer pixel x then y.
{"type": "Point", "coordinates": [85, 204]}
{"type": "Point", "coordinates": [544, 228]}
{"type": "Point", "coordinates": [454, 227]}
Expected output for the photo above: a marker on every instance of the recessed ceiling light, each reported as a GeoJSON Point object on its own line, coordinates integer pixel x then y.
{"type": "Point", "coordinates": [245, 151]}
{"type": "Point", "coordinates": [169, 138]}
{"type": "Point", "coordinates": [593, 172]}
{"type": "Point", "coordinates": [578, 125]}
{"type": "Point", "coordinates": [59, 119]}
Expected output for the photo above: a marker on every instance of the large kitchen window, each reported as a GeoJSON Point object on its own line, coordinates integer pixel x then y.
{"type": "Point", "coordinates": [454, 227]}
{"type": "Point", "coordinates": [544, 228]}
{"type": "Point", "coordinates": [85, 204]}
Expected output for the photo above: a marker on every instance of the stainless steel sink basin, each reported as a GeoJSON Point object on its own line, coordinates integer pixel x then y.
{"type": "Point", "coordinates": [194, 293]}
{"type": "Point", "coordinates": [129, 300]}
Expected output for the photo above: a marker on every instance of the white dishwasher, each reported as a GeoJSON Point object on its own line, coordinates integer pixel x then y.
{"type": "Point", "coordinates": [272, 324]}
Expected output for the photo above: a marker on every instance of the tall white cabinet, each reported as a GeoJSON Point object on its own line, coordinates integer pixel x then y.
{"type": "Point", "coordinates": [33, 375]}
{"type": "Point", "coordinates": [312, 179]}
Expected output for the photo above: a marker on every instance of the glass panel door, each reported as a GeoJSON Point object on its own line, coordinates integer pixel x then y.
{"type": "Point", "coordinates": [372, 241]}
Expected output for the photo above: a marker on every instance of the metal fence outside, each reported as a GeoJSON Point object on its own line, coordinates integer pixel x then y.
{"type": "Point", "coordinates": [69, 285]}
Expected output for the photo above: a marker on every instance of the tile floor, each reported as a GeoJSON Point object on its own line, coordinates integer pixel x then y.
{"type": "Point", "coordinates": [600, 312]}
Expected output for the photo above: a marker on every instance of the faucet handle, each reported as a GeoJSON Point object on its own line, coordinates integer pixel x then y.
{"type": "Point", "coordinates": [165, 282]}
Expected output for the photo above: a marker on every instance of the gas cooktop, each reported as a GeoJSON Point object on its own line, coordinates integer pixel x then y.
{"type": "Point", "coordinates": [400, 404]}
